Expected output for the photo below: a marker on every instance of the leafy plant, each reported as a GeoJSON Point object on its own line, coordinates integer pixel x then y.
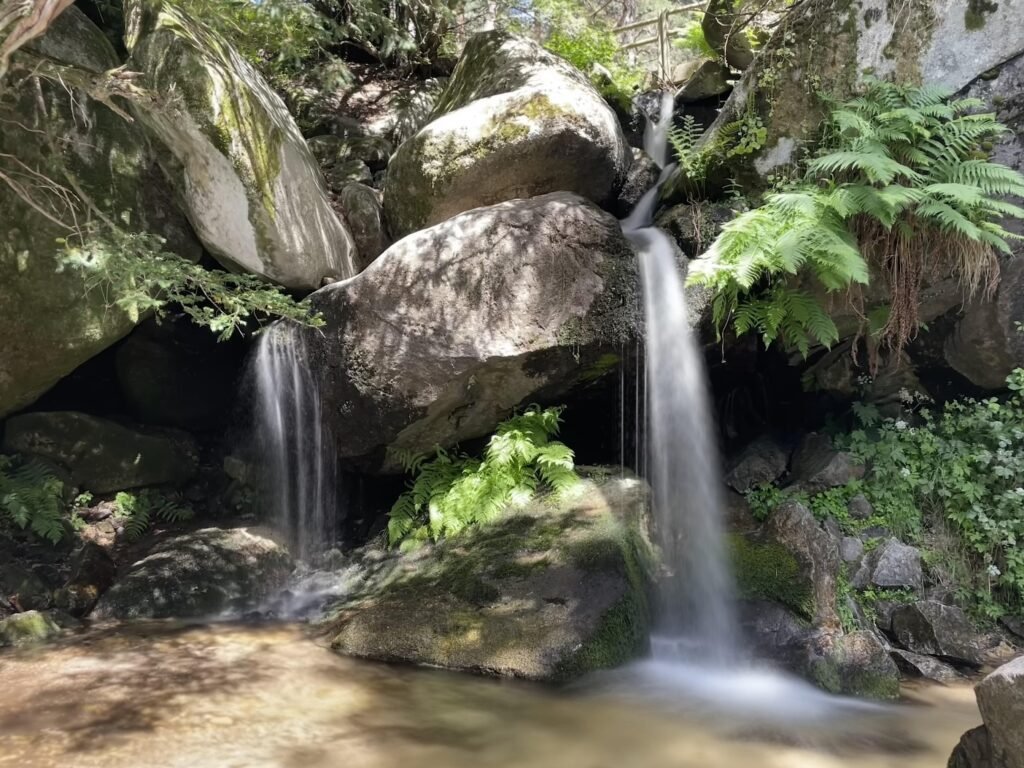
{"type": "Point", "coordinates": [140, 510]}
{"type": "Point", "coordinates": [901, 183]}
{"type": "Point", "coordinates": [692, 39]}
{"type": "Point", "coordinates": [32, 497]}
{"type": "Point", "coordinates": [135, 273]}
{"type": "Point", "coordinates": [452, 490]}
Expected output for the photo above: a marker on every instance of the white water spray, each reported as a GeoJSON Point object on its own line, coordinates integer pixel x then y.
{"type": "Point", "coordinates": [297, 450]}
{"type": "Point", "coordinates": [698, 615]}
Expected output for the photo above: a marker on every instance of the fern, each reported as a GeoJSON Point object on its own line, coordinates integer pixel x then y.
{"type": "Point", "coordinates": [452, 491]}
{"type": "Point", "coordinates": [139, 511]}
{"type": "Point", "coordinates": [32, 497]}
{"type": "Point", "coordinates": [901, 183]}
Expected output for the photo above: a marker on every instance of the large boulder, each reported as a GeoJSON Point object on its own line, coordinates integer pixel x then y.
{"type": "Point", "coordinates": [198, 575]}
{"type": "Point", "coordinates": [933, 628]}
{"type": "Point", "coordinates": [454, 326]}
{"type": "Point", "coordinates": [101, 455]}
{"type": "Point", "coordinates": [250, 185]}
{"type": "Point", "coordinates": [1001, 701]}
{"type": "Point", "coordinates": [793, 526]}
{"type": "Point", "coordinates": [545, 592]}
{"type": "Point", "coordinates": [833, 45]}
{"type": "Point", "coordinates": [514, 121]}
{"type": "Point", "coordinates": [51, 322]}
{"type": "Point", "coordinates": [854, 663]}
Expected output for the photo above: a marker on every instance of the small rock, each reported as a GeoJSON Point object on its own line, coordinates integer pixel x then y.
{"type": "Point", "coordinates": [27, 628]}
{"type": "Point", "coordinates": [817, 466]}
{"type": "Point", "coordinates": [24, 588]}
{"type": "Point", "coordinates": [851, 549]}
{"type": "Point", "coordinates": [874, 532]}
{"type": "Point", "coordinates": [916, 665]}
{"type": "Point", "coordinates": [892, 565]}
{"type": "Point", "coordinates": [711, 78]}
{"type": "Point", "coordinates": [1001, 701]}
{"type": "Point", "coordinates": [92, 574]}
{"type": "Point", "coordinates": [763, 461]}
{"type": "Point", "coordinates": [929, 627]}
{"type": "Point", "coordinates": [860, 508]}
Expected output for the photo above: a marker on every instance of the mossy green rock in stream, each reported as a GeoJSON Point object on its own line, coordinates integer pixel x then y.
{"type": "Point", "coordinates": [826, 47]}
{"type": "Point", "coordinates": [547, 592]}
{"type": "Point", "coordinates": [28, 628]}
{"type": "Point", "coordinates": [514, 121]}
{"type": "Point", "coordinates": [50, 323]}
{"type": "Point", "coordinates": [856, 664]}
{"type": "Point", "coordinates": [249, 183]}
{"type": "Point", "coordinates": [202, 574]}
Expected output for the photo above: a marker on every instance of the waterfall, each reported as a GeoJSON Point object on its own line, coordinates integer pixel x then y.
{"type": "Point", "coordinates": [697, 612]}
{"type": "Point", "coordinates": [299, 465]}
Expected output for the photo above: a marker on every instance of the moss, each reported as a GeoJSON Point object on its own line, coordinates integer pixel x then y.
{"type": "Point", "coordinates": [976, 11]}
{"type": "Point", "coordinates": [839, 678]}
{"type": "Point", "coordinates": [623, 635]}
{"type": "Point", "coordinates": [768, 571]}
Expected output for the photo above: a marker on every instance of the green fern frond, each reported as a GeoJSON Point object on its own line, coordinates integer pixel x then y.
{"type": "Point", "coordinates": [32, 497]}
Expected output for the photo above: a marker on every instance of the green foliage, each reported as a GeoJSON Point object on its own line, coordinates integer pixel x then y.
{"type": "Point", "coordinates": [901, 182]}
{"type": "Point", "coordinates": [134, 272]}
{"type": "Point", "coordinates": [961, 466]}
{"type": "Point", "coordinates": [763, 500]}
{"type": "Point", "coordinates": [139, 510]}
{"type": "Point", "coordinates": [32, 497]}
{"type": "Point", "coordinates": [452, 491]}
{"type": "Point", "coordinates": [692, 38]}
{"type": "Point", "coordinates": [768, 571]}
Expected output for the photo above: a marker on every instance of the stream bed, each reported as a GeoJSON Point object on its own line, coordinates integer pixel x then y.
{"type": "Point", "coordinates": [234, 695]}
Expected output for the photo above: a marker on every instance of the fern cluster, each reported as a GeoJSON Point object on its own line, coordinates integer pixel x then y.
{"type": "Point", "coordinates": [902, 184]}
{"type": "Point", "coordinates": [140, 510]}
{"type": "Point", "coordinates": [134, 272]}
{"type": "Point", "coordinates": [453, 490]}
{"type": "Point", "coordinates": [32, 497]}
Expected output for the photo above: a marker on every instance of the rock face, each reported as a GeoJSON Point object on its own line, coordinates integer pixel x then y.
{"type": "Point", "coordinates": [198, 575]}
{"type": "Point", "coordinates": [453, 327]}
{"type": "Point", "coordinates": [932, 628]}
{"type": "Point", "coordinates": [514, 121]}
{"type": "Point", "coordinates": [795, 528]}
{"type": "Point", "coordinates": [547, 592]}
{"type": "Point", "coordinates": [643, 174]}
{"type": "Point", "coordinates": [51, 324]}
{"type": "Point", "coordinates": [101, 455]}
{"type": "Point", "coordinates": [1001, 701]}
{"type": "Point", "coordinates": [891, 565]}
{"type": "Point", "coordinates": [365, 217]}
{"type": "Point", "coordinates": [249, 183]}
{"type": "Point", "coordinates": [945, 42]}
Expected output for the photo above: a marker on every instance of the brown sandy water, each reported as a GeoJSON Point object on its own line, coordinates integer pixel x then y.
{"type": "Point", "coordinates": [233, 695]}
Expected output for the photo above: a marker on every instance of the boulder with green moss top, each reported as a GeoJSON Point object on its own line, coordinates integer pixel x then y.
{"type": "Point", "coordinates": [514, 121]}
{"type": "Point", "coordinates": [205, 573]}
{"type": "Point", "coordinates": [102, 456]}
{"type": "Point", "coordinates": [51, 323]}
{"type": "Point", "coordinates": [249, 183]}
{"type": "Point", "coordinates": [856, 663]}
{"type": "Point", "coordinates": [28, 628]}
{"type": "Point", "coordinates": [454, 326]}
{"type": "Point", "coordinates": [550, 591]}
{"type": "Point", "coordinates": [828, 47]}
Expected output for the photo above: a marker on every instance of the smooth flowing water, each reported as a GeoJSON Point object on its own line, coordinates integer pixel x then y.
{"type": "Point", "coordinates": [296, 450]}
{"type": "Point", "coordinates": [697, 618]}
{"type": "Point", "coordinates": [234, 696]}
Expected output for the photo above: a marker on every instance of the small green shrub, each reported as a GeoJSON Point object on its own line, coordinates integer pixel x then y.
{"type": "Point", "coordinates": [139, 510]}
{"type": "Point", "coordinates": [139, 276]}
{"type": "Point", "coordinates": [32, 497]}
{"type": "Point", "coordinates": [452, 491]}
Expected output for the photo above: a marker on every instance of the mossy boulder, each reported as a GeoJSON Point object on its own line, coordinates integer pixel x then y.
{"type": "Point", "coordinates": [454, 326]}
{"type": "Point", "coordinates": [829, 46]}
{"type": "Point", "coordinates": [51, 323]}
{"type": "Point", "coordinates": [28, 628]}
{"type": "Point", "coordinates": [235, 156]}
{"type": "Point", "coordinates": [201, 574]}
{"type": "Point", "coordinates": [856, 664]}
{"type": "Point", "coordinates": [550, 591]}
{"type": "Point", "coordinates": [514, 121]}
{"type": "Point", "coordinates": [102, 456]}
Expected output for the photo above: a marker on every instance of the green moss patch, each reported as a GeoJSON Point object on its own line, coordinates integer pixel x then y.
{"type": "Point", "coordinates": [768, 571]}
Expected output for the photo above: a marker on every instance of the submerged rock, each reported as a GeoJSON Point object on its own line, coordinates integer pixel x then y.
{"type": "Point", "coordinates": [101, 455]}
{"type": "Point", "coordinates": [514, 121]}
{"type": "Point", "coordinates": [930, 627]}
{"type": "Point", "coordinates": [547, 592]}
{"type": "Point", "coordinates": [28, 628]}
{"type": "Point", "coordinates": [453, 327]}
{"type": "Point", "coordinates": [1001, 701]}
{"type": "Point", "coordinates": [199, 575]}
{"type": "Point", "coordinates": [251, 187]}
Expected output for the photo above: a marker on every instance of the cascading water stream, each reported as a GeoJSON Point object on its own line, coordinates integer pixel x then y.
{"type": "Point", "coordinates": [697, 616]}
{"type": "Point", "coordinates": [297, 451]}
